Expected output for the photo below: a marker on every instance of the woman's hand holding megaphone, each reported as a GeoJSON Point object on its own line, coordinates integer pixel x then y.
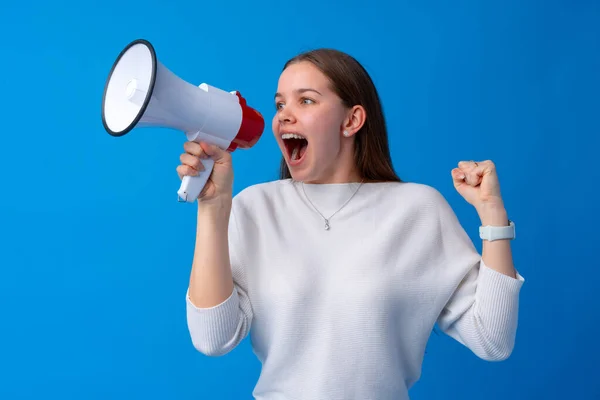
{"type": "Point", "coordinates": [219, 186]}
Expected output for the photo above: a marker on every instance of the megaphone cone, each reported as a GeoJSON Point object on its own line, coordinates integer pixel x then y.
{"type": "Point", "coordinates": [141, 92]}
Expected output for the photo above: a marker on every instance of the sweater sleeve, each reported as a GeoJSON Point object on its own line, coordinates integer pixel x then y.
{"type": "Point", "coordinates": [481, 311]}
{"type": "Point", "coordinates": [217, 330]}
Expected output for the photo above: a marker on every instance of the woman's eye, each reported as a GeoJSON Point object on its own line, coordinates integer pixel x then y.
{"type": "Point", "coordinates": [279, 105]}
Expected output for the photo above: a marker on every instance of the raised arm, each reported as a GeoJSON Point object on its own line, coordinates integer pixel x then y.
{"type": "Point", "coordinates": [218, 308]}
{"type": "Point", "coordinates": [482, 311]}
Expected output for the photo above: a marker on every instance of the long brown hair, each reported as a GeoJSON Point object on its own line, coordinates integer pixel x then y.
{"type": "Point", "coordinates": [353, 84]}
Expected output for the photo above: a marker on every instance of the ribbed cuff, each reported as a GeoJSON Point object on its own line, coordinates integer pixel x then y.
{"type": "Point", "coordinates": [498, 304]}
{"type": "Point", "coordinates": [492, 280]}
{"type": "Point", "coordinates": [213, 327]}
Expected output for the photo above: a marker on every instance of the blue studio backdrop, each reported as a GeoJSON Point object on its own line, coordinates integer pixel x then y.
{"type": "Point", "coordinates": [95, 250]}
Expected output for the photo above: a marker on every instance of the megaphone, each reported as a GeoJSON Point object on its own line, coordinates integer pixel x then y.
{"type": "Point", "coordinates": [141, 92]}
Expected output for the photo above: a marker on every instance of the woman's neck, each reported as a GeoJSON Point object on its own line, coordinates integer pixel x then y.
{"type": "Point", "coordinates": [344, 170]}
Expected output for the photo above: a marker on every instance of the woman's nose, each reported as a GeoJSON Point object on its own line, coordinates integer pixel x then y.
{"type": "Point", "coordinates": [285, 115]}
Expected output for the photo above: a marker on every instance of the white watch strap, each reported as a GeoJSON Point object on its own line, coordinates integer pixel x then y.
{"type": "Point", "coordinates": [491, 233]}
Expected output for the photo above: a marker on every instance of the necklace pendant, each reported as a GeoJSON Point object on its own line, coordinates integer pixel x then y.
{"type": "Point", "coordinates": [326, 225]}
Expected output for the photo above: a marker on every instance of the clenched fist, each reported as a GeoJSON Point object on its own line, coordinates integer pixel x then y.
{"type": "Point", "coordinates": [219, 185]}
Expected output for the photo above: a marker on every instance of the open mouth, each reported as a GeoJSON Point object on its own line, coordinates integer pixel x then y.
{"type": "Point", "coordinates": [295, 146]}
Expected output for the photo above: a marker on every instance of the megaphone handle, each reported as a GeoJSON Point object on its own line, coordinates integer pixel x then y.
{"type": "Point", "coordinates": [191, 186]}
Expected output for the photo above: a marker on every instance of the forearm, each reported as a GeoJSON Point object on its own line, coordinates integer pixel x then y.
{"type": "Point", "coordinates": [211, 281]}
{"type": "Point", "coordinates": [497, 254]}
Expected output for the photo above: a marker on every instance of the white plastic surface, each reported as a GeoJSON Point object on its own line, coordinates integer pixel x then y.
{"type": "Point", "coordinates": [134, 93]}
{"type": "Point", "coordinates": [191, 186]}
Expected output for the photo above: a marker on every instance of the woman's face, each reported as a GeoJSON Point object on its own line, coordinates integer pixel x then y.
{"type": "Point", "coordinates": [309, 124]}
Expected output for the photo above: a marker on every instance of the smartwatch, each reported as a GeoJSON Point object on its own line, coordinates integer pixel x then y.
{"type": "Point", "coordinates": [491, 233]}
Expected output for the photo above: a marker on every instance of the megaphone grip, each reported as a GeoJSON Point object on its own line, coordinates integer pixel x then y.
{"type": "Point", "coordinates": [191, 186]}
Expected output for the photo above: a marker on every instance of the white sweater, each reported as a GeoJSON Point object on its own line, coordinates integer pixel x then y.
{"type": "Point", "coordinates": [346, 313]}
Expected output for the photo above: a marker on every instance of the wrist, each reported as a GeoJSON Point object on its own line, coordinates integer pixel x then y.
{"type": "Point", "coordinates": [493, 215]}
{"type": "Point", "coordinates": [215, 208]}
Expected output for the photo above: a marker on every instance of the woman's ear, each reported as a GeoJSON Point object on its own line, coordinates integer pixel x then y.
{"type": "Point", "coordinates": [354, 121]}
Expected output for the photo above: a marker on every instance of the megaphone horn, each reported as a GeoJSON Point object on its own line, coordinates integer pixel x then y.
{"type": "Point", "coordinates": [141, 92]}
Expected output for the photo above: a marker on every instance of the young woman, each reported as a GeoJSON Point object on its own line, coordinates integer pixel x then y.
{"type": "Point", "coordinates": [339, 270]}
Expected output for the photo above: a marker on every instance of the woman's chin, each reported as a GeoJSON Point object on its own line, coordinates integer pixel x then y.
{"type": "Point", "coordinates": [299, 174]}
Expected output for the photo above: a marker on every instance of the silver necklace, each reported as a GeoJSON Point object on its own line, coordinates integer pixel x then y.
{"type": "Point", "coordinates": [331, 216]}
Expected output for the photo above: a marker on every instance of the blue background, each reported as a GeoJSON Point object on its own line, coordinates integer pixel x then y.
{"type": "Point", "coordinates": [95, 250]}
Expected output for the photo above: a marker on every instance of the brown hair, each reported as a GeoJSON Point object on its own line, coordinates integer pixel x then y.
{"type": "Point", "coordinates": [352, 83]}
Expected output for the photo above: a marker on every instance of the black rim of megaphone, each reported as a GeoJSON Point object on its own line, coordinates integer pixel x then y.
{"type": "Point", "coordinates": [150, 89]}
